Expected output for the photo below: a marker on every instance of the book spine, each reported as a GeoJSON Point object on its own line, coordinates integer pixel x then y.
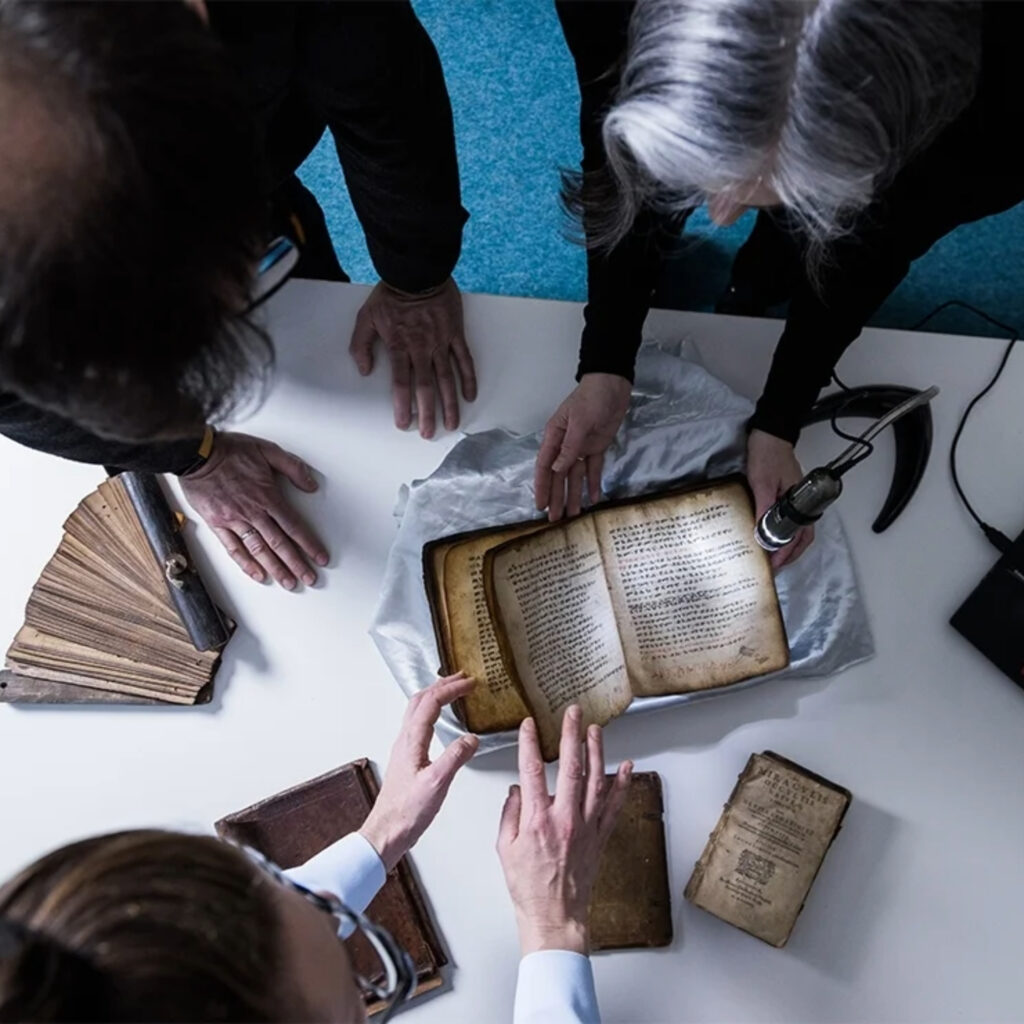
{"type": "Point", "coordinates": [200, 616]}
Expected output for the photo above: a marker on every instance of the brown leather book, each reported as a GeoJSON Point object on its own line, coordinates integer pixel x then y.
{"type": "Point", "coordinates": [631, 904]}
{"type": "Point", "coordinates": [768, 846]}
{"type": "Point", "coordinates": [659, 594]}
{"type": "Point", "coordinates": [292, 826]}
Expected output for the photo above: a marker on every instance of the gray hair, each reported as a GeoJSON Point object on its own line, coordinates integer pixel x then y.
{"type": "Point", "coordinates": [820, 100]}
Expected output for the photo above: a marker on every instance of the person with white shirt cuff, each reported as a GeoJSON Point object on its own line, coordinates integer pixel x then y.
{"type": "Point", "coordinates": [549, 847]}
{"type": "Point", "coordinates": [149, 925]}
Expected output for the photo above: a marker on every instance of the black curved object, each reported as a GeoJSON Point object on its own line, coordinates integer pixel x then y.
{"type": "Point", "coordinates": [912, 432]}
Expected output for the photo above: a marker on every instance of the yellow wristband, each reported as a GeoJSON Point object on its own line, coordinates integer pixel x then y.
{"type": "Point", "coordinates": [206, 445]}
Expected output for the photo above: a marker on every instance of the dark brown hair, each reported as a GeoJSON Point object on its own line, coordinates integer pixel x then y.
{"type": "Point", "coordinates": [140, 926]}
{"type": "Point", "coordinates": [132, 211]}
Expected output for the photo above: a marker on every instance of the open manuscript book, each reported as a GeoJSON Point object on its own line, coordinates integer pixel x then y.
{"type": "Point", "coordinates": [663, 594]}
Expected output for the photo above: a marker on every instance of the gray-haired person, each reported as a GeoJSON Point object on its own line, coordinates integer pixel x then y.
{"type": "Point", "coordinates": [864, 131]}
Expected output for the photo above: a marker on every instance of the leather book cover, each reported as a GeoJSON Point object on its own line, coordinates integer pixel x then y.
{"type": "Point", "coordinates": [297, 823]}
{"type": "Point", "coordinates": [631, 905]}
{"type": "Point", "coordinates": [452, 573]}
{"type": "Point", "coordinates": [207, 627]}
{"type": "Point", "coordinates": [769, 844]}
{"type": "Point", "coordinates": [434, 552]}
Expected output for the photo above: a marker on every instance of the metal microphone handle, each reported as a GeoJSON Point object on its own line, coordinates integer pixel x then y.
{"type": "Point", "coordinates": [802, 505]}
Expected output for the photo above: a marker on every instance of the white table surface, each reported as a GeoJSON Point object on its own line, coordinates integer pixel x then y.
{"type": "Point", "coordinates": [916, 914]}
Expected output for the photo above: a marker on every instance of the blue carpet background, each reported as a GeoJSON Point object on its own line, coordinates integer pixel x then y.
{"type": "Point", "coordinates": [515, 100]}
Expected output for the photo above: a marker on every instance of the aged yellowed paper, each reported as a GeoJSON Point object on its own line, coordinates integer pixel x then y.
{"type": "Point", "coordinates": [763, 855]}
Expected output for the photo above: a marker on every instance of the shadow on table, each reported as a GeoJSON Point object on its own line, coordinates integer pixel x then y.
{"type": "Point", "coordinates": [702, 723]}
{"type": "Point", "coordinates": [833, 933]}
{"type": "Point", "coordinates": [505, 760]}
{"type": "Point", "coordinates": [312, 327]}
{"type": "Point", "coordinates": [705, 722]}
{"type": "Point", "coordinates": [243, 647]}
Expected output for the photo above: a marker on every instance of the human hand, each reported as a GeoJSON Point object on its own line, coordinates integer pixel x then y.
{"type": "Point", "coordinates": [238, 494]}
{"type": "Point", "coordinates": [423, 335]}
{"type": "Point", "coordinates": [550, 847]}
{"type": "Point", "coordinates": [414, 788]}
{"type": "Point", "coordinates": [575, 440]}
{"type": "Point", "coordinates": [772, 468]}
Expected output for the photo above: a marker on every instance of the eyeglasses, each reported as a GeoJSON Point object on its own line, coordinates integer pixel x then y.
{"type": "Point", "coordinates": [397, 966]}
{"type": "Point", "coordinates": [273, 271]}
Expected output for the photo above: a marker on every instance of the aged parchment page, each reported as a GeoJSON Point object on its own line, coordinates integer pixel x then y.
{"type": "Point", "coordinates": [761, 859]}
{"type": "Point", "coordinates": [557, 627]}
{"type": "Point", "coordinates": [495, 703]}
{"type": "Point", "coordinates": [692, 590]}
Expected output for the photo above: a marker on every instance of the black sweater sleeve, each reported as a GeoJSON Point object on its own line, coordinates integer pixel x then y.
{"type": "Point", "coordinates": [965, 173]}
{"type": "Point", "coordinates": [860, 271]}
{"type": "Point", "coordinates": [373, 73]}
{"type": "Point", "coordinates": [47, 432]}
{"type": "Point", "coordinates": [619, 282]}
{"type": "Point", "coordinates": [954, 181]}
{"type": "Point", "coordinates": [824, 319]}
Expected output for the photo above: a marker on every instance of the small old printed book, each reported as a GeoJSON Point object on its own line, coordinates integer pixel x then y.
{"type": "Point", "coordinates": [663, 594]}
{"type": "Point", "coordinates": [109, 621]}
{"type": "Point", "coordinates": [298, 823]}
{"type": "Point", "coordinates": [758, 865]}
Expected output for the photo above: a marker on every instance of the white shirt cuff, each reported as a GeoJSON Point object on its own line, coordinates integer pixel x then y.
{"type": "Point", "coordinates": [556, 986]}
{"type": "Point", "coordinates": [349, 868]}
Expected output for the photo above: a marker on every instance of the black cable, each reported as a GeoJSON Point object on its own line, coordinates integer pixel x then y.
{"type": "Point", "coordinates": [996, 537]}
{"type": "Point", "coordinates": [867, 445]}
{"type": "Point", "coordinates": [970, 309]}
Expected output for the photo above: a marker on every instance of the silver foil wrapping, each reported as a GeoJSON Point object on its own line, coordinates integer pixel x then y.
{"type": "Point", "coordinates": [683, 424]}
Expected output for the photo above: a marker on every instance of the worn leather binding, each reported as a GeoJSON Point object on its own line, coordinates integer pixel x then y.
{"type": "Point", "coordinates": [631, 905]}
{"type": "Point", "coordinates": [206, 627]}
{"type": "Point", "coordinates": [434, 555]}
{"type": "Point", "coordinates": [297, 823]}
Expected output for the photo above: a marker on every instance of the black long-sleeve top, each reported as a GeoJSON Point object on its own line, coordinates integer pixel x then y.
{"type": "Point", "coordinates": [369, 73]}
{"type": "Point", "coordinates": [968, 171]}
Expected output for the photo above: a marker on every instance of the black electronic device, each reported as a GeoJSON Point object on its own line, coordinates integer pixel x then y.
{"type": "Point", "coordinates": [992, 617]}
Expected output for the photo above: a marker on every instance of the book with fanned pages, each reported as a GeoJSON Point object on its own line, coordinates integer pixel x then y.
{"type": "Point", "coordinates": [119, 614]}
{"type": "Point", "coordinates": [667, 593]}
{"type": "Point", "coordinates": [292, 826]}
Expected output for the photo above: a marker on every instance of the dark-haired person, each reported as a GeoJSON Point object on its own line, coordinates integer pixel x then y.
{"type": "Point", "coordinates": [159, 926]}
{"type": "Point", "coordinates": [864, 131]}
{"type": "Point", "coordinates": [147, 159]}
